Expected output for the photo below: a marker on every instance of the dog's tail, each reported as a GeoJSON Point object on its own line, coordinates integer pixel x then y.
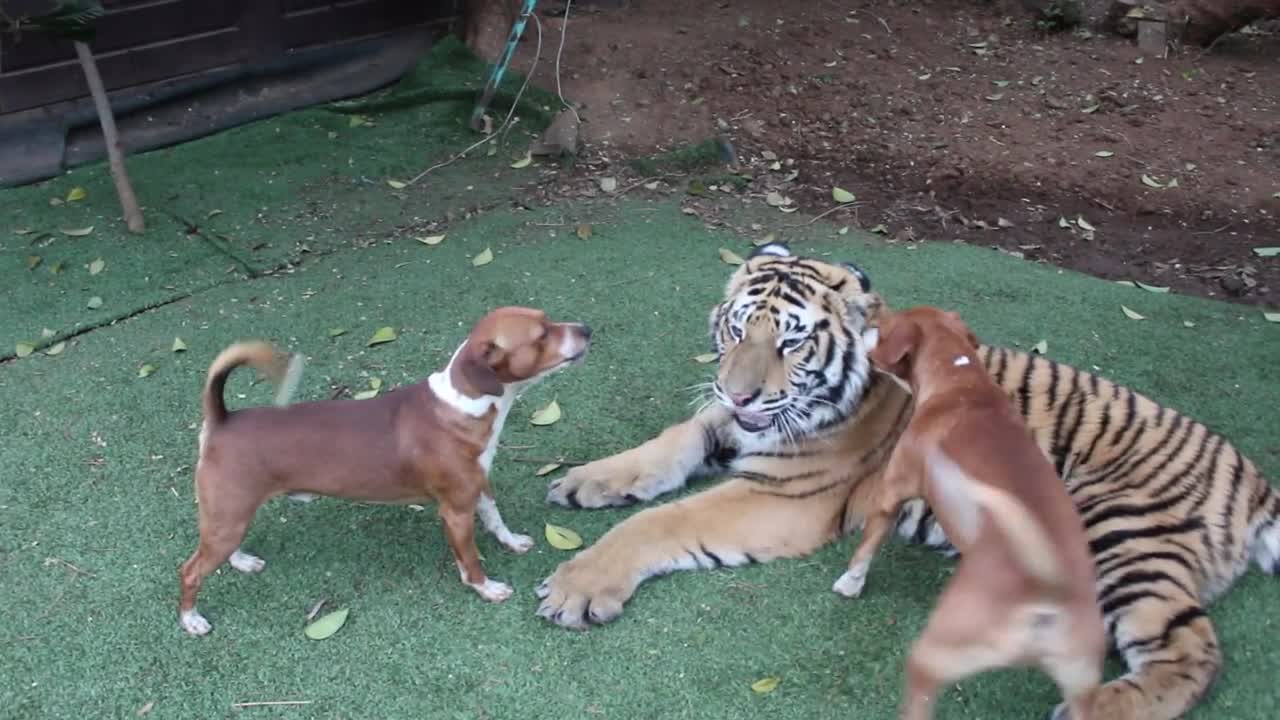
{"type": "Point", "coordinates": [964, 498]}
{"type": "Point", "coordinates": [261, 356]}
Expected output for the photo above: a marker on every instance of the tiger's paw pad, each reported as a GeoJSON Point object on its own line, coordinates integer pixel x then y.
{"type": "Point", "coordinates": [576, 606]}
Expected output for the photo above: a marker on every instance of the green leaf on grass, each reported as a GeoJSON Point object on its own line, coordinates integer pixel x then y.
{"type": "Point", "coordinates": [33, 261]}
{"type": "Point", "coordinates": [397, 185]}
{"type": "Point", "coordinates": [523, 162]}
{"type": "Point", "coordinates": [729, 257]}
{"type": "Point", "coordinates": [562, 538]}
{"type": "Point", "coordinates": [383, 335]}
{"type": "Point", "coordinates": [431, 239]}
{"type": "Point", "coordinates": [326, 625]}
{"type": "Point", "coordinates": [548, 415]}
{"type": "Point", "coordinates": [94, 303]}
{"type": "Point", "coordinates": [547, 469]}
{"type": "Point", "coordinates": [1151, 288]}
{"type": "Point", "coordinates": [765, 685]}
{"type": "Point", "coordinates": [97, 266]}
{"type": "Point", "coordinates": [1131, 314]}
{"type": "Point", "coordinates": [483, 258]}
{"type": "Point", "coordinates": [24, 349]}
{"type": "Point", "coordinates": [705, 358]}
{"type": "Point", "coordinates": [146, 370]}
{"type": "Point", "coordinates": [178, 345]}
{"type": "Point", "coordinates": [78, 232]}
{"type": "Point", "coordinates": [335, 332]}
{"type": "Point", "coordinates": [77, 193]}
{"type": "Point", "coordinates": [56, 348]}
{"type": "Point", "coordinates": [842, 196]}
{"type": "Point", "coordinates": [366, 394]}
{"type": "Point", "coordinates": [1041, 347]}
{"type": "Point", "coordinates": [1271, 317]}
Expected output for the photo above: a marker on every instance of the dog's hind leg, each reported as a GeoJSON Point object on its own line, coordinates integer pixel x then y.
{"type": "Point", "coordinates": [217, 545]}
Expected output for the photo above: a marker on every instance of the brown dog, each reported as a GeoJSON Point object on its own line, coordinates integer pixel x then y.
{"type": "Point", "coordinates": [1023, 593]}
{"type": "Point", "coordinates": [433, 440]}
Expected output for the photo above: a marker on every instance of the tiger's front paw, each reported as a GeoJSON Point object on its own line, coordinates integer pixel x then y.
{"type": "Point", "coordinates": [611, 482]}
{"type": "Point", "coordinates": [579, 594]}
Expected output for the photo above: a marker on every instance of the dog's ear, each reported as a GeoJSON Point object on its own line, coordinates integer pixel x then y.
{"type": "Point", "coordinates": [954, 316]}
{"type": "Point", "coordinates": [481, 373]}
{"type": "Point", "coordinates": [895, 344]}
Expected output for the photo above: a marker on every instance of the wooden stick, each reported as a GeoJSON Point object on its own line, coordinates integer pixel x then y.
{"type": "Point", "coordinates": [110, 136]}
{"type": "Point", "coordinates": [263, 703]}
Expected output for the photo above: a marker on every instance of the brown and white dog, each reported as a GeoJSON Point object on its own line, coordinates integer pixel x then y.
{"type": "Point", "coordinates": [1023, 593]}
{"type": "Point", "coordinates": [433, 440]}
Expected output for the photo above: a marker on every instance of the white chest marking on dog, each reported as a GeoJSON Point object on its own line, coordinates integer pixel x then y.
{"type": "Point", "coordinates": [961, 360]}
{"type": "Point", "coordinates": [504, 406]}
{"type": "Point", "coordinates": [441, 385]}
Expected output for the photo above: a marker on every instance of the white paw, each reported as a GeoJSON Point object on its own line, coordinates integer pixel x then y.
{"type": "Point", "coordinates": [194, 623]}
{"type": "Point", "coordinates": [246, 563]}
{"type": "Point", "coordinates": [493, 591]}
{"type": "Point", "coordinates": [850, 583]}
{"type": "Point", "coordinates": [518, 543]}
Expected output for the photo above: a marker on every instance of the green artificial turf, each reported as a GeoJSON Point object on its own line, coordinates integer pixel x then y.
{"type": "Point", "coordinates": [95, 465]}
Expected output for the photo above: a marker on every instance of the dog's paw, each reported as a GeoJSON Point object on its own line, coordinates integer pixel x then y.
{"type": "Point", "coordinates": [492, 590]}
{"type": "Point", "coordinates": [519, 544]}
{"type": "Point", "coordinates": [850, 584]}
{"type": "Point", "coordinates": [194, 623]}
{"type": "Point", "coordinates": [246, 563]}
{"type": "Point", "coordinates": [574, 598]}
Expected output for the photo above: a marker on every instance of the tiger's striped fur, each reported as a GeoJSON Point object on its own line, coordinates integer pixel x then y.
{"type": "Point", "coordinates": [1174, 512]}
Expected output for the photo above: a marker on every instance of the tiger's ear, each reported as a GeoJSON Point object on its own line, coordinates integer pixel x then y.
{"type": "Point", "coordinates": [896, 344]}
{"type": "Point", "coordinates": [863, 280]}
{"type": "Point", "coordinates": [774, 248]}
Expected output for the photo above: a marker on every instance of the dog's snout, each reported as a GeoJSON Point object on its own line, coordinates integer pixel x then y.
{"type": "Point", "coordinates": [585, 329]}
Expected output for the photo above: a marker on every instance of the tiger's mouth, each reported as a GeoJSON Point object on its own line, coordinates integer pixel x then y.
{"type": "Point", "coordinates": [752, 421]}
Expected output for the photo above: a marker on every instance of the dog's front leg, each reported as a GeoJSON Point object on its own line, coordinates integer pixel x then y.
{"type": "Point", "coordinates": [460, 529]}
{"type": "Point", "coordinates": [877, 528]}
{"type": "Point", "coordinates": [492, 520]}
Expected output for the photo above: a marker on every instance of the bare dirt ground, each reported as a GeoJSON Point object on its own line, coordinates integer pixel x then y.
{"type": "Point", "coordinates": [953, 121]}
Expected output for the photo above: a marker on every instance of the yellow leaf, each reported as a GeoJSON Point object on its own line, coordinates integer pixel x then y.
{"type": "Point", "coordinates": [77, 193]}
{"type": "Point", "coordinates": [326, 625]}
{"type": "Point", "coordinates": [547, 469]}
{"type": "Point", "coordinates": [146, 370]}
{"type": "Point", "coordinates": [397, 185]}
{"type": "Point", "coordinates": [357, 121]}
{"type": "Point", "coordinates": [1131, 314]}
{"type": "Point", "coordinates": [383, 335]}
{"type": "Point", "coordinates": [57, 348]}
{"type": "Point", "coordinates": [178, 345]}
{"type": "Point", "coordinates": [523, 162]}
{"type": "Point", "coordinates": [548, 415]}
{"type": "Point", "coordinates": [365, 394]}
{"type": "Point", "coordinates": [842, 196]}
{"type": "Point", "coordinates": [562, 538]}
{"type": "Point", "coordinates": [24, 349]}
{"type": "Point", "coordinates": [765, 685]}
{"type": "Point", "coordinates": [97, 266]}
{"type": "Point", "coordinates": [705, 358]}
{"type": "Point", "coordinates": [431, 239]}
{"type": "Point", "coordinates": [484, 258]}
{"type": "Point", "coordinates": [33, 261]}
{"type": "Point", "coordinates": [78, 232]}
{"type": "Point", "coordinates": [1041, 347]}
{"type": "Point", "coordinates": [335, 332]}
{"type": "Point", "coordinates": [729, 257]}
{"type": "Point", "coordinates": [584, 231]}
{"type": "Point", "coordinates": [375, 383]}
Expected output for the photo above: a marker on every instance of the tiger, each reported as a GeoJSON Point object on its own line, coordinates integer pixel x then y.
{"type": "Point", "coordinates": [802, 426]}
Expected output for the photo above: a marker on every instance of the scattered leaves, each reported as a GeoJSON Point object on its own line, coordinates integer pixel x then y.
{"type": "Point", "coordinates": [1151, 288]}
{"type": "Point", "coordinates": [33, 261]}
{"type": "Point", "coordinates": [397, 185]}
{"type": "Point", "coordinates": [1103, 154]}
{"type": "Point", "coordinates": [375, 383]}
{"type": "Point", "coordinates": [1266, 251]}
{"type": "Point", "coordinates": [608, 184]}
{"type": "Point", "coordinates": [78, 232]}
{"type": "Point", "coordinates": [358, 120]}
{"type": "Point", "coordinates": [1151, 182]}
{"type": "Point", "coordinates": [583, 231]}
{"type": "Point", "coordinates": [1084, 224]}
{"type": "Point", "coordinates": [548, 415]}
{"type": "Point", "coordinates": [880, 229]}
{"type": "Point", "coordinates": [705, 358]}
{"type": "Point", "coordinates": [1041, 347]}
{"type": "Point", "coordinates": [335, 332]}
{"type": "Point", "coordinates": [178, 345]}
{"type": "Point", "coordinates": [431, 239]}
{"type": "Point", "coordinates": [484, 258]}
{"type": "Point", "coordinates": [326, 625]}
{"type": "Point", "coordinates": [1271, 316]}
{"type": "Point", "coordinates": [382, 335]}
{"type": "Point", "coordinates": [77, 193]}
{"type": "Point", "coordinates": [842, 196]}
{"type": "Point", "coordinates": [146, 370]}
{"type": "Point", "coordinates": [1132, 315]}
{"type": "Point", "coordinates": [1188, 323]}
{"type": "Point", "coordinates": [97, 266]}
{"type": "Point", "coordinates": [729, 257]}
{"type": "Point", "coordinates": [562, 538]}
{"type": "Point", "coordinates": [523, 162]}
{"type": "Point", "coordinates": [94, 303]}
{"type": "Point", "coordinates": [547, 469]}
{"type": "Point", "coordinates": [366, 394]}
{"type": "Point", "coordinates": [765, 685]}
{"type": "Point", "coordinates": [24, 349]}
{"type": "Point", "coordinates": [56, 267]}
{"type": "Point", "coordinates": [56, 348]}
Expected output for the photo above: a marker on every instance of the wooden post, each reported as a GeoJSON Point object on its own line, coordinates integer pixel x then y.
{"type": "Point", "coordinates": [124, 189]}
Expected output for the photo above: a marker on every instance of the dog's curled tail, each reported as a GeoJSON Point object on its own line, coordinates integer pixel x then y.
{"type": "Point", "coordinates": [965, 497]}
{"type": "Point", "coordinates": [261, 356]}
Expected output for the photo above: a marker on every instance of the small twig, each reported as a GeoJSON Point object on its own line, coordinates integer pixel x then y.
{"type": "Point", "coordinates": [315, 609]}
{"type": "Point", "coordinates": [635, 185]}
{"type": "Point", "coordinates": [1096, 200]}
{"type": "Point", "coordinates": [825, 213]}
{"type": "Point", "coordinates": [628, 281]}
{"type": "Point", "coordinates": [516, 447]}
{"type": "Point", "coordinates": [548, 461]}
{"type": "Point", "coordinates": [69, 566]}
{"type": "Point", "coordinates": [1214, 231]}
{"type": "Point", "coordinates": [882, 22]}
{"type": "Point", "coordinates": [24, 638]}
{"type": "Point", "coordinates": [263, 703]}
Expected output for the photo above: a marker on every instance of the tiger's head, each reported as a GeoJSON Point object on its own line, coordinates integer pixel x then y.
{"type": "Point", "coordinates": [793, 335]}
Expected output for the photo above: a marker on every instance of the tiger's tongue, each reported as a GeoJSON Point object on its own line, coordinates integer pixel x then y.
{"type": "Point", "coordinates": [753, 419]}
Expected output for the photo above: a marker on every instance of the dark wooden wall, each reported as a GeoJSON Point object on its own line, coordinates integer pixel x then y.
{"type": "Point", "coordinates": [145, 41]}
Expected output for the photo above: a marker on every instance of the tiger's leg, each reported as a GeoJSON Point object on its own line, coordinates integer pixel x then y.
{"type": "Point", "coordinates": [731, 524]}
{"type": "Point", "coordinates": [1172, 653]}
{"type": "Point", "coordinates": [659, 466]}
